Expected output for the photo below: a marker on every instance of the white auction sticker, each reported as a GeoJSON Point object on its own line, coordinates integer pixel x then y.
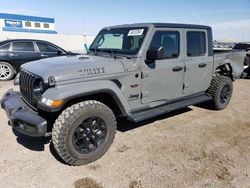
{"type": "Point", "coordinates": [135, 32]}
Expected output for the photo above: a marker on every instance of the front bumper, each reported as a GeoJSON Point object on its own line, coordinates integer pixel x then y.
{"type": "Point", "coordinates": [22, 118]}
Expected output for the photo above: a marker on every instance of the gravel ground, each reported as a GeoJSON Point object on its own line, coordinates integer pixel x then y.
{"type": "Point", "coordinates": [193, 147]}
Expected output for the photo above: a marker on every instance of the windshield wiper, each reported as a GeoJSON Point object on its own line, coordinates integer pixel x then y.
{"type": "Point", "coordinates": [94, 50]}
{"type": "Point", "coordinates": [112, 53]}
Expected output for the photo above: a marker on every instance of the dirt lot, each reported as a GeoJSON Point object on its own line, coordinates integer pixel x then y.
{"type": "Point", "coordinates": [193, 147]}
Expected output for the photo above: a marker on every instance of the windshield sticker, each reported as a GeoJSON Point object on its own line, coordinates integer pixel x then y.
{"type": "Point", "coordinates": [135, 32]}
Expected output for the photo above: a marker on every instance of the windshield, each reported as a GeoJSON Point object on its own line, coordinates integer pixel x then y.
{"type": "Point", "coordinates": [119, 40]}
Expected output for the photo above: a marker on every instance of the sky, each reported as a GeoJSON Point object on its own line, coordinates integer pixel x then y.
{"type": "Point", "coordinates": [230, 19]}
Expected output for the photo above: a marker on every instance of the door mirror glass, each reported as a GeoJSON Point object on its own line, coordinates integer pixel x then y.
{"type": "Point", "coordinates": [59, 52]}
{"type": "Point", "coordinates": [155, 53]}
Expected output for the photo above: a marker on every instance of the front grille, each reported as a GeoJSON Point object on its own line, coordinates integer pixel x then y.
{"type": "Point", "coordinates": [26, 82]}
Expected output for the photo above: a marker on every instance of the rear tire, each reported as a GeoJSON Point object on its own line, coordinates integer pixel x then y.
{"type": "Point", "coordinates": [84, 132]}
{"type": "Point", "coordinates": [221, 90]}
{"type": "Point", "coordinates": [6, 71]}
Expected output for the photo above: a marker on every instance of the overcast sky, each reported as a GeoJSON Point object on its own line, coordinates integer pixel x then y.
{"type": "Point", "coordinates": [230, 19]}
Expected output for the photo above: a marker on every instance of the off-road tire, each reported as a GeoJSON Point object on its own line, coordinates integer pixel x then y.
{"type": "Point", "coordinates": [8, 67]}
{"type": "Point", "coordinates": [215, 90]}
{"type": "Point", "coordinates": [67, 122]}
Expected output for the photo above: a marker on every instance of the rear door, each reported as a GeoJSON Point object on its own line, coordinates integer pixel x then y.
{"type": "Point", "coordinates": [22, 52]}
{"type": "Point", "coordinates": [198, 64]}
{"type": "Point", "coordinates": [48, 50]}
{"type": "Point", "coordinates": [163, 79]}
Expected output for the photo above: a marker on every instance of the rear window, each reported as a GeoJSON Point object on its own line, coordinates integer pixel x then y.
{"type": "Point", "coordinates": [23, 47]}
{"type": "Point", "coordinates": [5, 47]}
{"type": "Point", "coordinates": [196, 43]}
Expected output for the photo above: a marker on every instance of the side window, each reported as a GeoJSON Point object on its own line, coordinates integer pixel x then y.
{"type": "Point", "coordinates": [5, 47]}
{"type": "Point", "coordinates": [43, 47]}
{"type": "Point", "coordinates": [196, 43]}
{"type": "Point", "coordinates": [169, 40]}
{"type": "Point", "coordinates": [23, 46]}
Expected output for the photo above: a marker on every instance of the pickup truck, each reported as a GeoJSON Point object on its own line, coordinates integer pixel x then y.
{"type": "Point", "coordinates": [137, 71]}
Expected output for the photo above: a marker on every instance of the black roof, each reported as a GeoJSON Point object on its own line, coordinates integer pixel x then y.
{"type": "Point", "coordinates": [165, 25]}
{"type": "Point", "coordinates": [178, 25]}
{"type": "Point", "coordinates": [16, 40]}
{"type": "Point", "coordinates": [33, 40]}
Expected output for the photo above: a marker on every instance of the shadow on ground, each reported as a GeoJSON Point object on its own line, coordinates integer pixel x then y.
{"type": "Point", "coordinates": [34, 144]}
{"type": "Point", "coordinates": [123, 125]}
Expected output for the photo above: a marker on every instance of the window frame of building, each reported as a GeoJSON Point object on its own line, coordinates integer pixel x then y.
{"type": "Point", "coordinates": [27, 24]}
{"type": "Point", "coordinates": [37, 25]}
{"type": "Point", "coordinates": [46, 25]}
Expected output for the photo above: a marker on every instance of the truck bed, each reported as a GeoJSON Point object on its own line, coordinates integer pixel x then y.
{"type": "Point", "coordinates": [235, 58]}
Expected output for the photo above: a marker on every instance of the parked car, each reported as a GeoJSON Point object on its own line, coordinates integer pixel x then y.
{"type": "Point", "coordinates": [244, 47]}
{"type": "Point", "coordinates": [247, 63]}
{"type": "Point", "coordinates": [137, 71]}
{"type": "Point", "coordinates": [14, 53]}
{"type": "Point", "coordinates": [241, 46]}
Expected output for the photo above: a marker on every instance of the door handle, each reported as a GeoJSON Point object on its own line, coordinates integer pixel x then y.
{"type": "Point", "coordinates": [12, 55]}
{"type": "Point", "coordinates": [202, 65]}
{"type": "Point", "coordinates": [177, 68]}
{"type": "Point", "coordinates": [43, 55]}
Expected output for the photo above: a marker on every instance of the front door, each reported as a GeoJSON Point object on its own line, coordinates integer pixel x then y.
{"type": "Point", "coordinates": [47, 50]}
{"type": "Point", "coordinates": [162, 80]}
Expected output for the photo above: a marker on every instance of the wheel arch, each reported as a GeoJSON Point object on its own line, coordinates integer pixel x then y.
{"type": "Point", "coordinates": [105, 96]}
{"type": "Point", "coordinates": [226, 70]}
{"type": "Point", "coordinates": [104, 91]}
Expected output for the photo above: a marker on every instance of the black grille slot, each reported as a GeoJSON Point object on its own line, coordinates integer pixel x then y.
{"type": "Point", "coordinates": [26, 82]}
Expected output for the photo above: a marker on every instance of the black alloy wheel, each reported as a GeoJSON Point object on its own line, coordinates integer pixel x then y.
{"type": "Point", "coordinates": [89, 135]}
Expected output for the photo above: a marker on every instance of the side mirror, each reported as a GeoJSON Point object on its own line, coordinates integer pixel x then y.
{"type": "Point", "coordinates": [59, 52]}
{"type": "Point", "coordinates": [155, 53]}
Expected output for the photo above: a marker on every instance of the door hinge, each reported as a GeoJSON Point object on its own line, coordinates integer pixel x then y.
{"type": "Point", "coordinates": [185, 68]}
{"type": "Point", "coordinates": [144, 94]}
{"type": "Point", "coordinates": [144, 74]}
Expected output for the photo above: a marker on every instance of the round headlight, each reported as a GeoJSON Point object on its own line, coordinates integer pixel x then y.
{"type": "Point", "coordinates": [38, 87]}
{"type": "Point", "coordinates": [41, 86]}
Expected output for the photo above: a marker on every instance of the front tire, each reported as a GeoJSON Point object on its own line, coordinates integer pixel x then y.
{"type": "Point", "coordinates": [221, 90]}
{"type": "Point", "coordinates": [6, 71]}
{"type": "Point", "coordinates": [84, 132]}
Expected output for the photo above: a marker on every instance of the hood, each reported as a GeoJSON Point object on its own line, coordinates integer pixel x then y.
{"type": "Point", "coordinates": [74, 67]}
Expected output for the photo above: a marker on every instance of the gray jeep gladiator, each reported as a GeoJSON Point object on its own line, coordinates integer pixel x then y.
{"type": "Point", "coordinates": [137, 71]}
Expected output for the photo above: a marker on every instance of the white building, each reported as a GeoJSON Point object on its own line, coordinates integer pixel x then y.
{"type": "Point", "coordinates": [13, 26]}
{"type": "Point", "coordinates": [28, 24]}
